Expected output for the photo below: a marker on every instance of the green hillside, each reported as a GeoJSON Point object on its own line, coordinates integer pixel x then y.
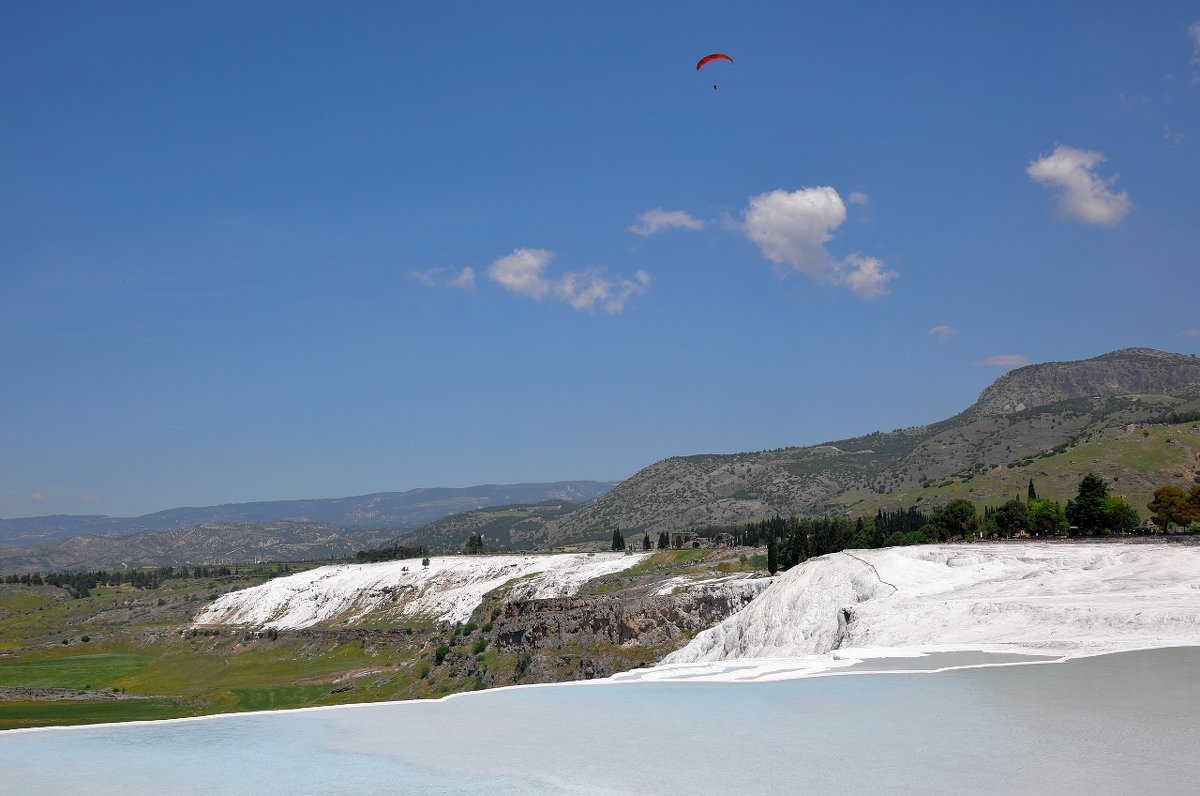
{"type": "Point", "coordinates": [1135, 460]}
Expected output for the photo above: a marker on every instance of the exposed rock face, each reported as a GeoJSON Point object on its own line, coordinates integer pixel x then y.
{"type": "Point", "coordinates": [1130, 371]}
{"type": "Point", "coordinates": [559, 622]}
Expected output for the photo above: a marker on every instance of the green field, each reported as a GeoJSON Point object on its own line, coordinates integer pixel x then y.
{"type": "Point", "coordinates": [53, 714]}
{"type": "Point", "coordinates": [140, 661]}
{"type": "Point", "coordinates": [97, 671]}
{"type": "Point", "coordinates": [288, 696]}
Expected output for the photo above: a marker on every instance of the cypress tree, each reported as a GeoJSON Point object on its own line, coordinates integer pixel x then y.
{"type": "Point", "coordinates": [1032, 491]}
{"type": "Point", "coordinates": [618, 540]}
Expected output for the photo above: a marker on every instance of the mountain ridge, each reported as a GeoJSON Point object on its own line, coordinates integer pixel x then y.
{"type": "Point", "coordinates": [406, 510]}
{"type": "Point", "coordinates": [1029, 412]}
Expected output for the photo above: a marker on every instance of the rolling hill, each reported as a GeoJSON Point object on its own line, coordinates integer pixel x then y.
{"type": "Point", "coordinates": [1117, 414]}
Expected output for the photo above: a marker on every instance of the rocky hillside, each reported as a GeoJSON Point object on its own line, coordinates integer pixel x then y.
{"type": "Point", "coordinates": [1035, 411]}
{"type": "Point", "coordinates": [1130, 371]}
{"type": "Point", "coordinates": [540, 618]}
{"type": "Point", "coordinates": [515, 527]}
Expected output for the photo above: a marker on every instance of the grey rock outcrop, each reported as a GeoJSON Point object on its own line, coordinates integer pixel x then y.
{"type": "Point", "coordinates": [648, 621]}
{"type": "Point", "coordinates": [1130, 371]}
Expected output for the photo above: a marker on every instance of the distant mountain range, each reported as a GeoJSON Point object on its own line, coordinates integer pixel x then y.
{"type": "Point", "coordinates": [207, 543]}
{"type": "Point", "coordinates": [1131, 416]}
{"type": "Point", "coordinates": [385, 510]}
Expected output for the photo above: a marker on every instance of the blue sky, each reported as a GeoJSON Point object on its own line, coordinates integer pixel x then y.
{"type": "Point", "coordinates": [262, 251]}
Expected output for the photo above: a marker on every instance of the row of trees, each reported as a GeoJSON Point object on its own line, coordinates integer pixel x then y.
{"type": "Point", "coordinates": [1095, 511]}
{"type": "Point", "coordinates": [394, 552]}
{"type": "Point", "coordinates": [80, 584]}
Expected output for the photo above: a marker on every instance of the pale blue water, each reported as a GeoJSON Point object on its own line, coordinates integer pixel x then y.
{"type": "Point", "coordinates": [1127, 723]}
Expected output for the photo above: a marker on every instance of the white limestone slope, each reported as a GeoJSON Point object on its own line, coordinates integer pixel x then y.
{"type": "Point", "coordinates": [449, 589]}
{"type": "Point", "coordinates": [1064, 600]}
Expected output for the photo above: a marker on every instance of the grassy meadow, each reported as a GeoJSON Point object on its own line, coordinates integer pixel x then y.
{"type": "Point", "coordinates": [1133, 460]}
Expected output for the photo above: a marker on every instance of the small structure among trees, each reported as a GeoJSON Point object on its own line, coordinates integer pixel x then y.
{"type": "Point", "coordinates": [682, 539]}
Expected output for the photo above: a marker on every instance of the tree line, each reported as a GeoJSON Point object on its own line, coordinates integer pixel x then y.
{"type": "Point", "coordinates": [395, 552]}
{"type": "Point", "coordinates": [80, 584]}
{"type": "Point", "coordinates": [1094, 511]}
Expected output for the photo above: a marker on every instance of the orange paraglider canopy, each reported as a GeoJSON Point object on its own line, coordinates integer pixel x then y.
{"type": "Point", "coordinates": [714, 57]}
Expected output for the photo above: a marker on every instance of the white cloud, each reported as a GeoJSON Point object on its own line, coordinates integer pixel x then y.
{"type": "Point", "coordinates": [522, 272]}
{"type": "Point", "coordinates": [792, 228]}
{"type": "Point", "coordinates": [465, 278]}
{"type": "Point", "coordinates": [1172, 136]}
{"type": "Point", "coordinates": [428, 277]}
{"type": "Point", "coordinates": [864, 275]}
{"type": "Point", "coordinates": [1194, 33]}
{"type": "Point", "coordinates": [1005, 361]}
{"type": "Point", "coordinates": [626, 288]}
{"type": "Point", "coordinates": [445, 277]}
{"type": "Point", "coordinates": [1085, 196]}
{"type": "Point", "coordinates": [857, 198]}
{"type": "Point", "coordinates": [657, 219]}
{"type": "Point", "coordinates": [1190, 333]}
{"type": "Point", "coordinates": [37, 497]}
{"type": "Point", "coordinates": [943, 334]}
